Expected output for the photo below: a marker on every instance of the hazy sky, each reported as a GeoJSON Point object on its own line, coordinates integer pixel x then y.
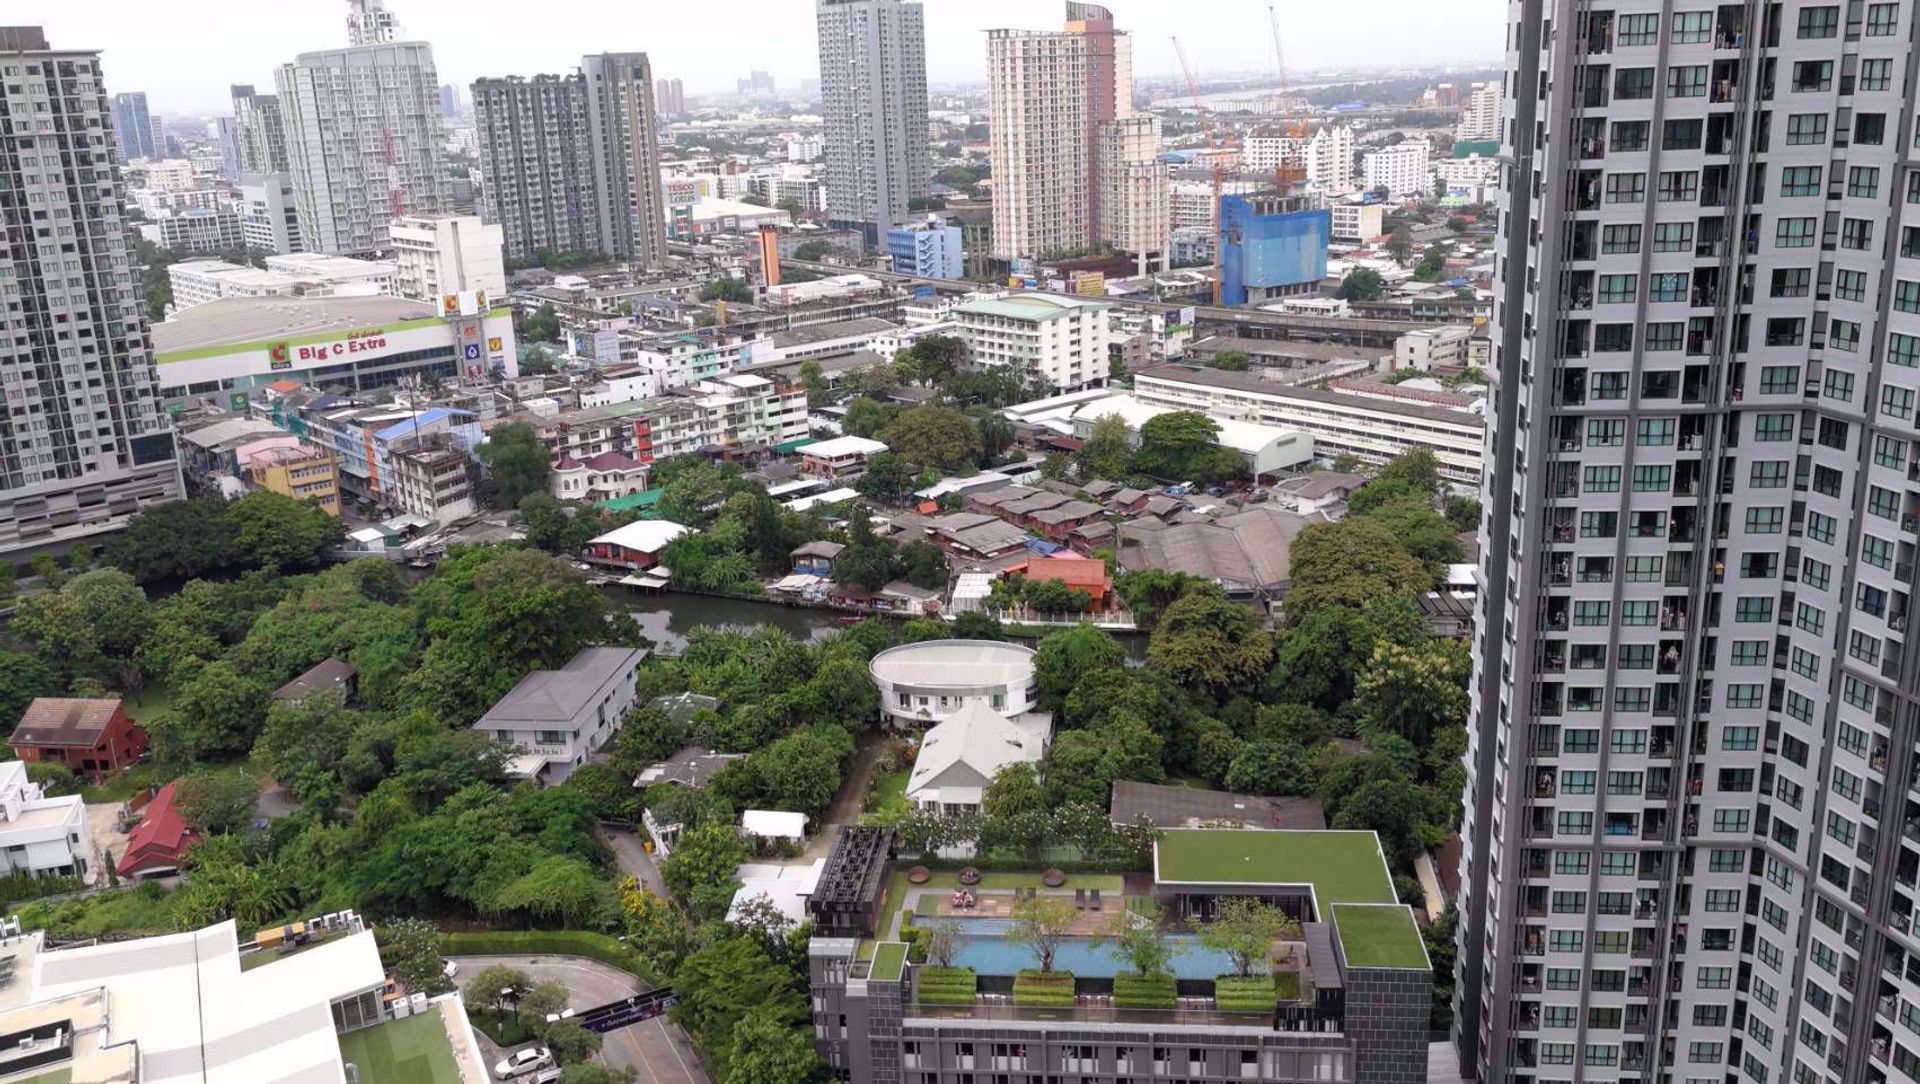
{"type": "Point", "coordinates": [184, 53]}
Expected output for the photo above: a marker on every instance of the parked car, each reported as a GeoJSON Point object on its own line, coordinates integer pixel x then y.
{"type": "Point", "coordinates": [521, 1062]}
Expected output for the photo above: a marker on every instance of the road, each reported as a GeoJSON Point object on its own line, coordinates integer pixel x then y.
{"type": "Point", "coordinates": [657, 1050]}
{"type": "Point", "coordinates": [633, 859]}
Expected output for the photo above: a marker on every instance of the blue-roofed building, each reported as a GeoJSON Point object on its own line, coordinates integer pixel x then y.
{"type": "Point", "coordinates": [1271, 246]}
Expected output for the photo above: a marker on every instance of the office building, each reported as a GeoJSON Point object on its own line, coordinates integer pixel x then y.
{"type": "Point", "coordinates": [199, 231]}
{"type": "Point", "coordinates": [85, 445]}
{"type": "Point", "coordinates": [1480, 121]}
{"type": "Point", "coordinates": [1697, 559]}
{"type": "Point", "coordinates": [447, 254]}
{"type": "Point", "coordinates": [259, 131]}
{"type": "Point", "coordinates": [269, 213]}
{"type": "Point", "coordinates": [363, 137]}
{"type": "Point", "coordinates": [1271, 246]}
{"type": "Point", "coordinates": [1074, 167]}
{"type": "Point", "coordinates": [931, 249]}
{"type": "Point", "coordinates": [1358, 223]}
{"type": "Point", "coordinates": [1348, 1003]}
{"type": "Point", "coordinates": [133, 127]}
{"type": "Point", "coordinates": [1401, 169]}
{"type": "Point", "coordinates": [1042, 340]}
{"type": "Point", "coordinates": [873, 88]}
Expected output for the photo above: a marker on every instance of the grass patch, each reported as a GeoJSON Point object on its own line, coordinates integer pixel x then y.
{"type": "Point", "coordinates": [124, 786]}
{"type": "Point", "coordinates": [1131, 991]}
{"type": "Point", "coordinates": [144, 909]}
{"type": "Point", "coordinates": [946, 986]}
{"type": "Point", "coordinates": [1286, 985]}
{"type": "Point", "coordinates": [1342, 867]}
{"type": "Point", "coordinates": [887, 803]}
{"type": "Point", "coordinates": [1251, 993]}
{"type": "Point", "coordinates": [593, 946]}
{"type": "Point", "coordinates": [504, 1028]}
{"type": "Point", "coordinates": [889, 960]}
{"type": "Point", "coordinates": [411, 1051]}
{"type": "Point", "coordinates": [1380, 937]}
{"type": "Point", "coordinates": [1044, 989]}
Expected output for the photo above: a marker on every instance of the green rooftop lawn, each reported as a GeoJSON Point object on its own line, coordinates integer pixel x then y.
{"type": "Point", "coordinates": [411, 1051]}
{"type": "Point", "coordinates": [1380, 936]}
{"type": "Point", "coordinates": [1342, 867]}
{"type": "Point", "coordinates": [888, 961]}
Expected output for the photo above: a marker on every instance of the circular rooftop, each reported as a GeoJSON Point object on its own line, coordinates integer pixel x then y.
{"type": "Point", "coordinates": [959, 664]}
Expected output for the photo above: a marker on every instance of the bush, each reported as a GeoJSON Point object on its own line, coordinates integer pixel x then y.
{"type": "Point", "coordinates": [1131, 991]}
{"type": "Point", "coordinates": [1044, 989]}
{"type": "Point", "coordinates": [1252, 993]}
{"type": "Point", "coordinates": [593, 946]}
{"type": "Point", "coordinates": [1286, 985]}
{"type": "Point", "coordinates": [946, 985]}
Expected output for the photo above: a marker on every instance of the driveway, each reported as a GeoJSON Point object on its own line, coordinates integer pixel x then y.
{"type": "Point", "coordinates": [657, 1050]}
{"type": "Point", "coordinates": [851, 799]}
{"type": "Point", "coordinates": [633, 859]}
{"type": "Point", "coordinates": [109, 842]}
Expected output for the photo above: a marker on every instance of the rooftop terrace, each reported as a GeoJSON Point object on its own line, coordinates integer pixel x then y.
{"type": "Point", "coordinates": [1341, 867]}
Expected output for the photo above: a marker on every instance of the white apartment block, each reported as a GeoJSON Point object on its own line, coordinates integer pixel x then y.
{"type": "Point", "coordinates": [873, 93]}
{"type": "Point", "coordinates": [1690, 837]}
{"type": "Point", "coordinates": [269, 213]}
{"type": "Point", "coordinates": [805, 148]}
{"type": "Point", "coordinates": [169, 174]}
{"type": "Point", "coordinates": [1401, 169]}
{"type": "Point", "coordinates": [1132, 200]}
{"type": "Point", "coordinates": [1330, 161]}
{"type": "Point", "coordinates": [1267, 153]}
{"type": "Point", "coordinates": [1056, 342]}
{"type": "Point", "coordinates": [1191, 203]}
{"type": "Point", "coordinates": [198, 232]}
{"type": "Point", "coordinates": [1442, 347]}
{"type": "Point", "coordinates": [1358, 223]}
{"type": "Point", "coordinates": [197, 282]}
{"type": "Point", "coordinates": [363, 134]}
{"type": "Point", "coordinates": [431, 477]}
{"type": "Point", "coordinates": [1472, 170]}
{"type": "Point", "coordinates": [155, 202]}
{"type": "Point", "coordinates": [447, 254]}
{"type": "Point", "coordinates": [85, 445]}
{"type": "Point", "coordinates": [42, 836]}
{"type": "Point", "coordinates": [1480, 120]}
{"type": "Point", "coordinates": [1373, 429]}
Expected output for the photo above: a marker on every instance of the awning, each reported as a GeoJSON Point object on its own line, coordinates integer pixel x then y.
{"type": "Point", "coordinates": [525, 766]}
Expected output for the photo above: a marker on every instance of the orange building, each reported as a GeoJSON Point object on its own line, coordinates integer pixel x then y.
{"type": "Point", "coordinates": [1077, 573]}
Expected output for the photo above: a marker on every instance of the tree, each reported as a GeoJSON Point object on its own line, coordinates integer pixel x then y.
{"type": "Point", "coordinates": [941, 939]}
{"type": "Point", "coordinates": [544, 325]}
{"type": "Point", "coordinates": [811, 251]}
{"type": "Point", "coordinates": [1400, 244]}
{"type": "Point", "coordinates": [867, 417]}
{"type": "Point", "coordinates": [1184, 445]}
{"type": "Point", "coordinates": [932, 360]}
{"type": "Point", "coordinates": [1209, 645]}
{"type": "Point", "coordinates": [1393, 806]}
{"type": "Point", "coordinates": [1361, 284]}
{"type": "Point", "coordinates": [923, 564]}
{"type": "Point", "coordinates": [308, 734]}
{"type": "Point", "coordinates": [540, 1001]}
{"type": "Point", "coordinates": [216, 714]}
{"type": "Point", "coordinates": [1270, 767]}
{"type": "Point", "coordinates": [1108, 450]}
{"type": "Point", "coordinates": [1041, 924]}
{"type": "Point", "coordinates": [1350, 563]}
{"type": "Point", "coordinates": [934, 436]}
{"type": "Point", "coordinates": [868, 558]}
{"type": "Point", "coordinates": [274, 531]}
{"type": "Point", "coordinates": [1065, 657]}
{"type": "Point", "coordinates": [1412, 473]}
{"type": "Point", "coordinates": [1433, 263]}
{"type": "Point", "coordinates": [1244, 930]}
{"type": "Point", "coordinates": [493, 986]}
{"type": "Point", "coordinates": [1422, 532]}
{"type": "Point", "coordinates": [769, 1049]}
{"type": "Point", "coordinates": [886, 479]}
{"type": "Point", "coordinates": [1233, 361]}
{"type": "Point", "coordinates": [570, 1043]}
{"type": "Point", "coordinates": [721, 984]}
{"type": "Point", "coordinates": [411, 949]}
{"type": "Point", "coordinates": [1414, 691]}
{"type": "Point", "coordinates": [1013, 791]}
{"type": "Point", "coordinates": [22, 679]}
{"type": "Point", "coordinates": [706, 855]}
{"type": "Point", "coordinates": [996, 435]}
{"type": "Point", "coordinates": [731, 290]}
{"type": "Point", "coordinates": [517, 463]}
{"type": "Point", "coordinates": [1138, 938]}
{"type": "Point", "coordinates": [977, 625]}
{"type": "Point", "coordinates": [219, 800]}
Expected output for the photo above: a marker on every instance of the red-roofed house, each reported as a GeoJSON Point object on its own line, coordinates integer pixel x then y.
{"type": "Point", "coordinates": [1076, 572]}
{"type": "Point", "coordinates": [92, 737]}
{"type": "Point", "coordinates": [157, 844]}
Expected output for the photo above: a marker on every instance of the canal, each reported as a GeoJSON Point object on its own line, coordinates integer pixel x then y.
{"type": "Point", "coordinates": [667, 619]}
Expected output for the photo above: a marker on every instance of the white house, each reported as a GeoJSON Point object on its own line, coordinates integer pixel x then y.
{"type": "Point", "coordinates": [959, 757]}
{"type": "Point", "coordinates": [40, 835]}
{"type": "Point", "coordinates": [557, 718]}
{"type": "Point", "coordinates": [928, 682]}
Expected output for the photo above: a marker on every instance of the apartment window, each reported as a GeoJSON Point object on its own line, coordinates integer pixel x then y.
{"type": "Point", "coordinates": [1601, 480]}
{"type": "Point", "coordinates": [1665, 336]}
{"type": "Point", "coordinates": [1570, 862]}
{"type": "Point", "coordinates": [1808, 618]}
{"type": "Point", "coordinates": [1884, 503]}
{"type": "Point", "coordinates": [1870, 129]}
{"type": "Point", "coordinates": [1672, 236]}
{"type": "Point", "coordinates": [1877, 552]}
{"type": "Point", "coordinates": [1820, 527]}
{"type": "Point", "coordinates": [1626, 187]}
{"type": "Point", "coordinates": [1844, 335]}
{"type": "Point", "coordinates": [1652, 479]}
{"type": "Point", "coordinates": [1864, 647]}
{"type": "Point", "coordinates": [1815, 574]}
{"type": "Point", "coordinates": [1768, 474]}
{"type": "Point", "coordinates": [1633, 84]}
{"type": "Point", "coordinates": [1622, 239]}
{"type": "Point", "coordinates": [1850, 285]}
{"type": "Point", "coordinates": [1609, 432]}
{"type": "Point", "coordinates": [1654, 432]}
{"type": "Point", "coordinates": [1564, 941]}
{"type": "Point", "coordinates": [1896, 402]}
{"type": "Point", "coordinates": [1793, 233]}
{"type": "Point", "coordinates": [1813, 75]}
{"type": "Point", "coordinates": [1753, 609]}
{"type": "Point", "coordinates": [1612, 339]}
{"type": "Point", "coordinates": [1591, 613]}
{"type": "Point", "coordinates": [1821, 22]}
{"type": "Point", "coordinates": [1681, 186]}
{"type": "Point", "coordinates": [1876, 75]}
{"type": "Point", "coordinates": [1882, 19]}
{"type": "Point", "coordinates": [1772, 427]}
{"type": "Point", "coordinates": [1792, 281]}
{"type": "Point", "coordinates": [1779, 379]}
{"type": "Point", "coordinates": [1639, 30]}
{"type": "Point", "coordinates": [1743, 695]}
{"type": "Point", "coordinates": [1799, 181]}
{"type": "Point", "coordinates": [1766, 520]}
{"type": "Point", "coordinates": [1726, 861]}
{"type": "Point", "coordinates": [1903, 350]}
{"type": "Point", "coordinates": [1687, 81]}
{"type": "Point", "coordinates": [1805, 129]}
{"type": "Point", "coordinates": [1856, 233]}
{"type": "Point", "coordinates": [1667, 286]}
{"type": "Point", "coordinates": [1838, 384]}
{"type": "Point", "coordinates": [1628, 136]}
{"type": "Point", "coordinates": [1863, 181]}
{"type": "Point", "coordinates": [1618, 289]}
{"type": "Point", "coordinates": [1681, 135]}
{"type": "Point", "coordinates": [1890, 452]}
{"type": "Point", "coordinates": [1638, 611]}
{"type": "Point", "coordinates": [1642, 570]}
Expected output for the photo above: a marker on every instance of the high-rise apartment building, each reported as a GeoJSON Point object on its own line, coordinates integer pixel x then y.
{"type": "Point", "coordinates": [259, 131]}
{"type": "Point", "coordinates": [133, 127]}
{"type": "Point", "coordinates": [1480, 122]}
{"type": "Point", "coordinates": [1402, 169]}
{"type": "Point", "coordinates": [572, 162]}
{"type": "Point", "coordinates": [439, 255]}
{"type": "Point", "coordinates": [363, 136]}
{"type": "Point", "coordinates": [269, 213]}
{"type": "Point", "coordinates": [370, 23]}
{"type": "Point", "coordinates": [83, 442]}
{"type": "Point", "coordinates": [1329, 158]}
{"type": "Point", "coordinates": [1690, 842]}
{"type": "Point", "coordinates": [1052, 97]}
{"type": "Point", "coordinates": [873, 88]}
{"type": "Point", "coordinates": [1131, 191]}
{"type": "Point", "coordinates": [670, 97]}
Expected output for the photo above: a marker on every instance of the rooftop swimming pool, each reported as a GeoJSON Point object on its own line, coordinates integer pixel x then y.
{"type": "Point", "coordinates": [984, 947]}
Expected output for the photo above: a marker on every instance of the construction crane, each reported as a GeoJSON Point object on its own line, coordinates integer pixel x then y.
{"type": "Point", "coordinates": [1288, 172]}
{"type": "Point", "coordinates": [1219, 161]}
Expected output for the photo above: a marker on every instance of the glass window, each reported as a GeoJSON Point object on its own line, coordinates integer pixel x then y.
{"type": "Point", "coordinates": [1804, 129]}
{"type": "Point", "coordinates": [1882, 19]}
{"type": "Point", "coordinates": [1639, 30]}
{"type": "Point", "coordinates": [1793, 233]}
{"type": "Point", "coordinates": [1863, 181]}
{"type": "Point", "coordinates": [1672, 236]}
{"type": "Point", "coordinates": [1821, 22]}
{"type": "Point", "coordinates": [1626, 187]}
{"type": "Point", "coordinates": [1800, 181]}
{"type": "Point", "coordinates": [1623, 239]}
{"type": "Point", "coordinates": [1850, 285]}
{"type": "Point", "coordinates": [1687, 81]}
{"type": "Point", "coordinates": [1876, 75]}
{"type": "Point", "coordinates": [1631, 84]}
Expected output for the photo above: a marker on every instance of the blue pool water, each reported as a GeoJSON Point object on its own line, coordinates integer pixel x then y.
{"type": "Point", "coordinates": [984, 949]}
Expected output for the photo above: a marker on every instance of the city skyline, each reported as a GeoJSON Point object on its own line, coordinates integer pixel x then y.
{"type": "Point", "coordinates": [148, 48]}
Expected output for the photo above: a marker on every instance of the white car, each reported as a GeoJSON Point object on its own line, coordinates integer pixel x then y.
{"type": "Point", "coordinates": [521, 1062]}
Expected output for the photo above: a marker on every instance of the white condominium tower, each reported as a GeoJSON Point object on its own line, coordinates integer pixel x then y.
{"type": "Point", "coordinates": [363, 138]}
{"type": "Point", "coordinates": [1691, 829]}
{"type": "Point", "coordinates": [873, 92]}
{"type": "Point", "coordinates": [1051, 98]}
{"type": "Point", "coordinates": [259, 131]}
{"type": "Point", "coordinates": [1480, 122]}
{"type": "Point", "coordinates": [83, 442]}
{"type": "Point", "coordinates": [370, 23]}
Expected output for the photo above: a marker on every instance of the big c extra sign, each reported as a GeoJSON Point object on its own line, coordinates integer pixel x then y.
{"type": "Point", "coordinates": [355, 342]}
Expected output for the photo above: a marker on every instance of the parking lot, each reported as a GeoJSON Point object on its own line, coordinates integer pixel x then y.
{"type": "Point", "coordinates": [657, 1050]}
